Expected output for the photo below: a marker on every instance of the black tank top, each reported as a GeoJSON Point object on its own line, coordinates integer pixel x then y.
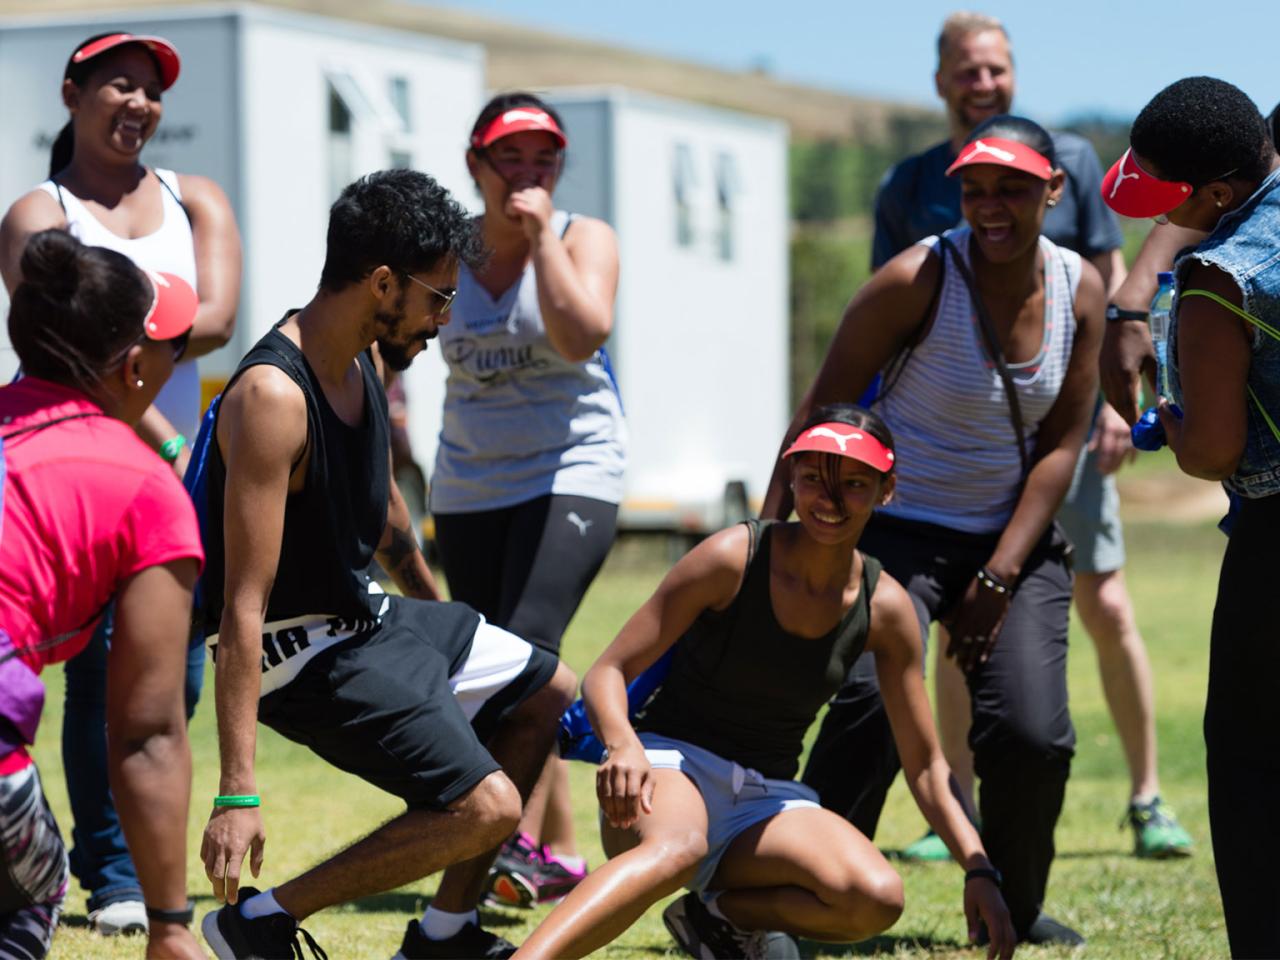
{"type": "Point", "coordinates": [333, 525]}
{"type": "Point", "coordinates": [743, 687]}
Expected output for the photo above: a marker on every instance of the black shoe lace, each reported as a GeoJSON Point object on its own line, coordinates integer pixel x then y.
{"type": "Point", "coordinates": [316, 951]}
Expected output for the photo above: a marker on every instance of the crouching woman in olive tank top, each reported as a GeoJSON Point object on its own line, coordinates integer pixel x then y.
{"type": "Point", "coordinates": [698, 790]}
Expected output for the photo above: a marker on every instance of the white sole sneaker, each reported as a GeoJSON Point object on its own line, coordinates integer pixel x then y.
{"type": "Point", "coordinates": [121, 917]}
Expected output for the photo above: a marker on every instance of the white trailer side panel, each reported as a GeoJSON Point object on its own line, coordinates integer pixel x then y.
{"type": "Point", "coordinates": [699, 197]}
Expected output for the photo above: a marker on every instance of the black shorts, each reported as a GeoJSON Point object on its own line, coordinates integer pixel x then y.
{"type": "Point", "coordinates": [408, 705]}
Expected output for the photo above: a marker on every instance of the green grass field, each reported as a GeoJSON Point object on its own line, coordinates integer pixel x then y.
{"type": "Point", "coordinates": [1126, 907]}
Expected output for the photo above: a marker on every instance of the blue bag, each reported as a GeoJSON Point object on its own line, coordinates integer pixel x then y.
{"type": "Point", "coordinates": [196, 482]}
{"type": "Point", "coordinates": [579, 742]}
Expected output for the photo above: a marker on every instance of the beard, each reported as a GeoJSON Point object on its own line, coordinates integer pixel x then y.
{"type": "Point", "coordinates": [394, 351]}
{"type": "Point", "coordinates": [394, 355]}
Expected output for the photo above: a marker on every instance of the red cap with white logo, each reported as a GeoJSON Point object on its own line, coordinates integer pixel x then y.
{"type": "Point", "coordinates": [173, 310]}
{"type": "Point", "coordinates": [1132, 192]}
{"type": "Point", "coordinates": [164, 52]}
{"type": "Point", "coordinates": [1003, 153]}
{"type": "Point", "coordinates": [844, 441]}
{"type": "Point", "coordinates": [517, 120]}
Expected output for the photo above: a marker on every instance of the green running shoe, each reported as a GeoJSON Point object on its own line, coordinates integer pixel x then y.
{"type": "Point", "coordinates": [1157, 835]}
{"type": "Point", "coordinates": [928, 849]}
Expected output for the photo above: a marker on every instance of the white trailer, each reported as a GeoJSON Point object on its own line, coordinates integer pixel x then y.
{"type": "Point", "coordinates": [282, 110]}
{"type": "Point", "coordinates": [698, 196]}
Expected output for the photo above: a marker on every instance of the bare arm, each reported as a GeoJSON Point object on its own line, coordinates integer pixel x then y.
{"type": "Point", "coordinates": [262, 430]}
{"type": "Point", "coordinates": [217, 249]}
{"type": "Point", "coordinates": [879, 320]}
{"type": "Point", "coordinates": [894, 639]}
{"type": "Point", "coordinates": [577, 278]}
{"type": "Point", "coordinates": [147, 749]}
{"type": "Point", "coordinates": [399, 553]}
{"type": "Point", "coordinates": [975, 621]}
{"type": "Point", "coordinates": [31, 213]}
{"type": "Point", "coordinates": [708, 577]}
{"type": "Point", "coordinates": [1059, 439]}
{"type": "Point", "coordinates": [1127, 352]}
{"type": "Point", "coordinates": [1110, 265]}
{"type": "Point", "coordinates": [1213, 362]}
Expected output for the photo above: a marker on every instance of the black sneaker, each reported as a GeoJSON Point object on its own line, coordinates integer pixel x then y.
{"type": "Point", "coordinates": [1046, 931]}
{"type": "Point", "coordinates": [702, 935]}
{"type": "Point", "coordinates": [513, 878]}
{"type": "Point", "coordinates": [273, 937]}
{"type": "Point", "coordinates": [469, 943]}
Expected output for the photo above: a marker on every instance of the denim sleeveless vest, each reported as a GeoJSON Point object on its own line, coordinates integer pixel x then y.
{"type": "Point", "coordinates": [1246, 246]}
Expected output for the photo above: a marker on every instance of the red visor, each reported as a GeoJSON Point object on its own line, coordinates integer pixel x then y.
{"type": "Point", "coordinates": [1132, 192]}
{"type": "Point", "coordinates": [163, 50]}
{"type": "Point", "coordinates": [173, 310]}
{"type": "Point", "coordinates": [1003, 153]}
{"type": "Point", "coordinates": [517, 120]}
{"type": "Point", "coordinates": [845, 441]}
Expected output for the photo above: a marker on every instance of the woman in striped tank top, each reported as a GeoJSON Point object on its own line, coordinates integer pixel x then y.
{"type": "Point", "coordinates": [970, 533]}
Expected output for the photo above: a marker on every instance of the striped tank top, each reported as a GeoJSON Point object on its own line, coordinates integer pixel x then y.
{"type": "Point", "coordinates": [957, 455]}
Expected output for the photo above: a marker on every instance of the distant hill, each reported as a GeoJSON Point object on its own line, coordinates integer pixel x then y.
{"type": "Point", "coordinates": [520, 56]}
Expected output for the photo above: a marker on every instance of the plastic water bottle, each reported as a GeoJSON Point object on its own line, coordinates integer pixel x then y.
{"type": "Point", "coordinates": [1148, 432]}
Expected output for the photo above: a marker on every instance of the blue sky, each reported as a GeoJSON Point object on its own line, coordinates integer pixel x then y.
{"type": "Point", "coordinates": [1083, 56]}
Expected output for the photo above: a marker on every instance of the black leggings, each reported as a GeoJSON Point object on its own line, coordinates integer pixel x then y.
{"type": "Point", "coordinates": [527, 567]}
{"type": "Point", "coordinates": [1241, 725]}
{"type": "Point", "coordinates": [1022, 738]}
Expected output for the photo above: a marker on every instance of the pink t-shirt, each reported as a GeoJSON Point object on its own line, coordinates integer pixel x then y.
{"type": "Point", "coordinates": [86, 505]}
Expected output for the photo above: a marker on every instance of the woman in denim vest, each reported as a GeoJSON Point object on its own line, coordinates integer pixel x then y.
{"type": "Point", "coordinates": [1201, 157]}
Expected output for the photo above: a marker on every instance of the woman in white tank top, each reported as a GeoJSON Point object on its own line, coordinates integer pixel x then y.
{"type": "Point", "coordinates": [970, 535]}
{"type": "Point", "coordinates": [99, 190]}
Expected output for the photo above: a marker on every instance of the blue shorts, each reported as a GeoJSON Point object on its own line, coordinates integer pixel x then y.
{"type": "Point", "coordinates": [1090, 517]}
{"type": "Point", "coordinates": [736, 797]}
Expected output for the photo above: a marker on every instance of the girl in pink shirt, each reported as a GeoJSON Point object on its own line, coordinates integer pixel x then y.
{"type": "Point", "coordinates": [89, 515]}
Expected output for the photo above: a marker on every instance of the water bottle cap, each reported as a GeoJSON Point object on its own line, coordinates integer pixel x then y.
{"type": "Point", "coordinates": [1164, 276]}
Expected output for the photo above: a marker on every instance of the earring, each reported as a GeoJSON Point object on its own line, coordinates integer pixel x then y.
{"type": "Point", "coordinates": [1051, 202]}
{"type": "Point", "coordinates": [137, 383]}
{"type": "Point", "coordinates": [1219, 203]}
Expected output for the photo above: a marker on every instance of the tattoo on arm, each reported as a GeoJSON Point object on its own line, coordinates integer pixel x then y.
{"type": "Point", "coordinates": [401, 548]}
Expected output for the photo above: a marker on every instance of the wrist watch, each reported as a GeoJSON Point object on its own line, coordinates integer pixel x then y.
{"type": "Point", "coordinates": [1116, 314]}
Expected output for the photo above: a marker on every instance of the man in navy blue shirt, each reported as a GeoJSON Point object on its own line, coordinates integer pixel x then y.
{"type": "Point", "coordinates": [975, 78]}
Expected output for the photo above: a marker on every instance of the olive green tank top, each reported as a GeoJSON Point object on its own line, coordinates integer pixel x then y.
{"type": "Point", "coordinates": [743, 687]}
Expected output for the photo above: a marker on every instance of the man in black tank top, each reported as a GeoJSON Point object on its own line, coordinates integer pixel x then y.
{"type": "Point", "coordinates": [299, 502]}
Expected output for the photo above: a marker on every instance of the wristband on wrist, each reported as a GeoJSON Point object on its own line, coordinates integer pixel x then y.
{"type": "Point", "coordinates": [984, 873]}
{"type": "Point", "coordinates": [183, 916]}
{"type": "Point", "coordinates": [989, 580]}
{"type": "Point", "coordinates": [1116, 314]}
{"type": "Point", "coordinates": [170, 449]}
{"type": "Point", "coordinates": [238, 800]}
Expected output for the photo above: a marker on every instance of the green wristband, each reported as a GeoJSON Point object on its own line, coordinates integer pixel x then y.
{"type": "Point", "coordinates": [238, 800]}
{"type": "Point", "coordinates": [170, 449]}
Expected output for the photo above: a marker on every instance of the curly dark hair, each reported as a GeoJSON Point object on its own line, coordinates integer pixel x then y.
{"type": "Point", "coordinates": [77, 309]}
{"type": "Point", "coordinates": [401, 219]}
{"type": "Point", "coordinates": [1019, 130]}
{"type": "Point", "coordinates": [1199, 129]}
